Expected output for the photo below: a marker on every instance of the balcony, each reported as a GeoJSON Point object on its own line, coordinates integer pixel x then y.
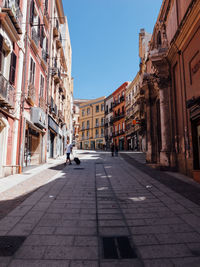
{"type": "Point", "coordinates": [7, 93]}
{"type": "Point", "coordinates": [121, 99]}
{"type": "Point", "coordinates": [31, 94]}
{"type": "Point", "coordinates": [59, 41]}
{"type": "Point", "coordinates": [53, 106]}
{"type": "Point", "coordinates": [46, 17]}
{"type": "Point", "coordinates": [60, 115]}
{"type": "Point", "coordinates": [44, 55]}
{"type": "Point", "coordinates": [13, 10]}
{"type": "Point", "coordinates": [34, 40]}
{"type": "Point", "coordinates": [56, 29]}
{"type": "Point", "coordinates": [56, 74]}
{"type": "Point", "coordinates": [42, 103]}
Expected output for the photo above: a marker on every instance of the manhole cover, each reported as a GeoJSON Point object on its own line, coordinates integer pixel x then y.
{"type": "Point", "coordinates": [117, 247]}
{"type": "Point", "coordinates": [10, 244]}
{"type": "Point", "coordinates": [79, 168]}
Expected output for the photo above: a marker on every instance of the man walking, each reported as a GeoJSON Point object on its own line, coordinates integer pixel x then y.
{"type": "Point", "coordinates": [68, 151]}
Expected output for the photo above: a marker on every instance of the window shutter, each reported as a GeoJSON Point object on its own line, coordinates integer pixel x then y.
{"type": "Point", "coordinates": [41, 37]}
{"type": "Point", "coordinates": [38, 27]}
{"type": "Point", "coordinates": [12, 68]}
{"type": "Point", "coordinates": [32, 12]}
{"type": "Point", "coordinates": [47, 46]}
{"type": "Point", "coordinates": [46, 5]}
{"type": "Point", "coordinates": [1, 49]}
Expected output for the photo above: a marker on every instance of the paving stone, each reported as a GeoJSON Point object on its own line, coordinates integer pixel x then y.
{"type": "Point", "coordinates": [22, 229]}
{"type": "Point", "coordinates": [49, 240]}
{"type": "Point", "coordinates": [39, 263]}
{"type": "Point", "coordinates": [43, 230]}
{"type": "Point", "coordinates": [79, 253]}
{"type": "Point", "coordinates": [30, 252]}
{"type": "Point", "coordinates": [178, 238]}
{"type": "Point", "coordinates": [75, 231]}
{"type": "Point", "coordinates": [4, 261]}
{"type": "Point", "coordinates": [84, 264]}
{"type": "Point", "coordinates": [158, 263]}
{"type": "Point", "coordinates": [86, 241]}
{"type": "Point", "coordinates": [148, 239]}
{"type": "Point", "coordinates": [164, 251]}
{"type": "Point", "coordinates": [121, 263]}
{"type": "Point", "coordinates": [185, 262]}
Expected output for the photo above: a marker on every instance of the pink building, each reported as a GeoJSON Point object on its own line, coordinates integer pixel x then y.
{"type": "Point", "coordinates": [11, 16]}
{"type": "Point", "coordinates": [32, 132]}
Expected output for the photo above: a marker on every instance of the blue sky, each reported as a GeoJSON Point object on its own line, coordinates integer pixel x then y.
{"type": "Point", "coordinates": [104, 36]}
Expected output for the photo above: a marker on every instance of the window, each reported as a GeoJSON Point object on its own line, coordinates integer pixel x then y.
{"type": "Point", "coordinates": [32, 72]}
{"type": "Point", "coordinates": [102, 107]}
{"type": "Point", "coordinates": [123, 126]}
{"type": "Point", "coordinates": [83, 112]}
{"type": "Point", "coordinates": [119, 127]}
{"type": "Point", "coordinates": [115, 128]}
{"type": "Point", "coordinates": [97, 122]}
{"type": "Point", "coordinates": [13, 62]}
{"type": "Point", "coordinates": [97, 132]}
{"type": "Point", "coordinates": [83, 135]}
{"type": "Point", "coordinates": [88, 111]}
{"type": "Point", "coordinates": [102, 121]}
{"type": "Point", "coordinates": [97, 108]}
{"type": "Point", "coordinates": [41, 85]}
{"type": "Point", "coordinates": [88, 124]}
{"type": "Point", "coordinates": [83, 125]}
{"type": "Point", "coordinates": [102, 132]}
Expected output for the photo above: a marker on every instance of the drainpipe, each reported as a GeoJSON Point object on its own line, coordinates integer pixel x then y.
{"type": "Point", "coordinates": [22, 124]}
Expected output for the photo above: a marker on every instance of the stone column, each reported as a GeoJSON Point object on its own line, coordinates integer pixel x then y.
{"type": "Point", "coordinates": [164, 86]}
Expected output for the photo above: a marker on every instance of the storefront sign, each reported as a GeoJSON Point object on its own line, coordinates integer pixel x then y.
{"type": "Point", "coordinates": [53, 125]}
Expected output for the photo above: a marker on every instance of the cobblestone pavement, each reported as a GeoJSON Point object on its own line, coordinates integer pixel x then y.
{"type": "Point", "coordinates": [79, 217]}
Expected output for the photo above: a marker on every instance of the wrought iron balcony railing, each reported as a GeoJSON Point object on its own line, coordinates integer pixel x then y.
{"type": "Point", "coordinates": [7, 93]}
{"type": "Point", "coordinates": [14, 12]}
{"type": "Point", "coordinates": [34, 36]}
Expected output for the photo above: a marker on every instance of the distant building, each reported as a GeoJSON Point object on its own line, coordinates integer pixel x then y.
{"type": "Point", "coordinates": [119, 96]}
{"type": "Point", "coordinates": [109, 121]}
{"type": "Point", "coordinates": [91, 135]}
{"type": "Point", "coordinates": [76, 120]}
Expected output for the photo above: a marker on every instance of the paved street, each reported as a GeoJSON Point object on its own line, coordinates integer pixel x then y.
{"type": "Point", "coordinates": [105, 212]}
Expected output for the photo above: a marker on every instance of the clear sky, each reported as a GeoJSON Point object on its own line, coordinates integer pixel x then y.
{"type": "Point", "coordinates": [105, 38]}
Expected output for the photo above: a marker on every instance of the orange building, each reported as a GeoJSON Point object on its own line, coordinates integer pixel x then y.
{"type": "Point", "coordinates": [118, 120]}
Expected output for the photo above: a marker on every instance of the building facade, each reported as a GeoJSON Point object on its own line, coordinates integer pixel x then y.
{"type": "Point", "coordinates": [91, 135]}
{"type": "Point", "coordinates": [11, 61]}
{"type": "Point", "coordinates": [36, 87]}
{"type": "Point", "coordinates": [172, 89]}
{"type": "Point", "coordinates": [118, 120]}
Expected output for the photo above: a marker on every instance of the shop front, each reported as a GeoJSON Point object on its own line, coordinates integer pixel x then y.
{"type": "Point", "coordinates": [34, 147]}
{"type": "Point", "coordinates": [52, 137]}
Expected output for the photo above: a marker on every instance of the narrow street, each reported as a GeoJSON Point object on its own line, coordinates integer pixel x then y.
{"type": "Point", "coordinates": [106, 212]}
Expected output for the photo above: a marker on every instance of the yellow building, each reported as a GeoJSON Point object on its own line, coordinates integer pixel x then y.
{"type": "Point", "coordinates": [91, 135]}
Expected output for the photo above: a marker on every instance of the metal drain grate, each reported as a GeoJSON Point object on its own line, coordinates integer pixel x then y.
{"type": "Point", "coordinates": [117, 247]}
{"type": "Point", "coordinates": [10, 244]}
{"type": "Point", "coordinates": [79, 168]}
